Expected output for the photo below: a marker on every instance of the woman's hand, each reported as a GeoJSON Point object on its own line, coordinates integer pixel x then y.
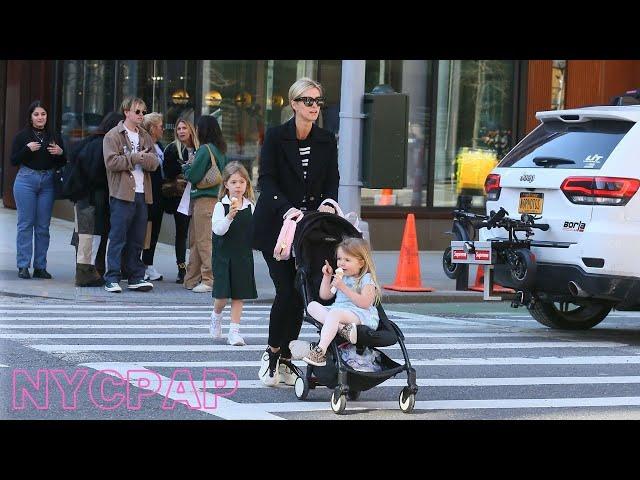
{"type": "Point", "coordinates": [54, 149]}
{"type": "Point", "coordinates": [327, 271]}
{"type": "Point", "coordinates": [326, 208]}
{"type": "Point", "coordinates": [34, 146]}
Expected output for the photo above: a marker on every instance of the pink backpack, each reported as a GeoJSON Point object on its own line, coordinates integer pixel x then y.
{"type": "Point", "coordinates": [282, 250]}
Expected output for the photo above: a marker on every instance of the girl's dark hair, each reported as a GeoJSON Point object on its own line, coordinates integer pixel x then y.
{"type": "Point", "coordinates": [209, 131]}
{"type": "Point", "coordinates": [35, 104]}
{"type": "Point", "coordinates": [109, 121]}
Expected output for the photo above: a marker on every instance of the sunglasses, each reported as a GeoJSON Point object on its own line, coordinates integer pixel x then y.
{"type": "Point", "coordinates": [308, 101]}
{"type": "Point", "coordinates": [138, 112]}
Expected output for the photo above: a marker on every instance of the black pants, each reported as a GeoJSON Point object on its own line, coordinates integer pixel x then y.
{"type": "Point", "coordinates": [155, 214]}
{"type": "Point", "coordinates": [182, 230]}
{"type": "Point", "coordinates": [287, 310]}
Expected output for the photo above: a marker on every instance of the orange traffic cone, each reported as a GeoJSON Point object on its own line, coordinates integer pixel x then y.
{"type": "Point", "coordinates": [386, 196]}
{"type": "Point", "coordinates": [408, 274]}
{"type": "Point", "coordinates": [479, 285]}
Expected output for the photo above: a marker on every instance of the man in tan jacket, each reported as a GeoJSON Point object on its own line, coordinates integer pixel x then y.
{"type": "Point", "coordinates": [129, 156]}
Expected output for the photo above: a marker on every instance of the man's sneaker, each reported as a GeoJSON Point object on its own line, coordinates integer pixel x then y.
{"type": "Point", "coordinates": [234, 338]}
{"type": "Point", "coordinates": [152, 274]}
{"type": "Point", "coordinates": [140, 285]}
{"type": "Point", "coordinates": [315, 356]}
{"type": "Point", "coordinates": [289, 372]}
{"type": "Point", "coordinates": [112, 287]}
{"type": "Point", "coordinates": [202, 288]}
{"type": "Point", "coordinates": [349, 332]}
{"type": "Point", "coordinates": [269, 372]}
{"type": "Point", "coordinates": [299, 349]}
{"type": "Point", "coordinates": [215, 329]}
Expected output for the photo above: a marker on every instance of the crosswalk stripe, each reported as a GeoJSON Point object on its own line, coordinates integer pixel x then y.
{"type": "Point", "coordinates": [75, 306]}
{"type": "Point", "coordinates": [3, 366]}
{"type": "Point", "coordinates": [160, 326]}
{"type": "Point", "coordinates": [442, 362]}
{"type": "Point", "coordinates": [26, 336]}
{"type": "Point", "coordinates": [510, 403]}
{"type": "Point", "coordinates": [128, 318]}
{"type": "Point", "coordinates": [226, 348]}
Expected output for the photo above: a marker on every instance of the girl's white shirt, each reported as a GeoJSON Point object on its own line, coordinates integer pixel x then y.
{"type": "Point", "coordinates": [220, 223]}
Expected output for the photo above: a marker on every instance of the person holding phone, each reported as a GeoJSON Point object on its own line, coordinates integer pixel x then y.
{"type": "Point", "coordinates": [129, 157]}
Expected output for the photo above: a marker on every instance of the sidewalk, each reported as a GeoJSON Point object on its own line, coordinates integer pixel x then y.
{"type": "Point", "coordinates": [61, 264]}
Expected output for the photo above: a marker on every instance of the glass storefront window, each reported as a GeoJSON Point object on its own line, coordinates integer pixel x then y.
{"type": "Point", "coordinates": [412, 77]}
{"type": "Point", "coordinates": [87, 96]}
{"type": "Point", "coordinates": [473, 131]}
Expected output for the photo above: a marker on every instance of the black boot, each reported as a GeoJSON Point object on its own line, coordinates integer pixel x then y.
{"type": "Point", "coordinates": [24, 273]}
{"type": "Point", "coordinates": [182, 271]}
{"type": "Point", "coordinates": [41, 273]}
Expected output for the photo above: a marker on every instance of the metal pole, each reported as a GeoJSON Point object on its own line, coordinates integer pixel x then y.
{"type": "Point", "coordinates": [350, 137]}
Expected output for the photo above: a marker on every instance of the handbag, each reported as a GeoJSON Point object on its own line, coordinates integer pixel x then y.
{"type": "Point", "coordinates": [174, 187]}
{"type": "Point", "coordinates": [213, 176]}
{"type": "Point", "coordinates": [282, 250]}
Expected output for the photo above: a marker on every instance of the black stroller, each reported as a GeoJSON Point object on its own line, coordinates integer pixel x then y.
{"type": "Point", "coordinates": [316, 238]}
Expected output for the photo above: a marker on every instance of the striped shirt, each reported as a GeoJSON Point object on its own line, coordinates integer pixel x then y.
{"type": "Point", "coordinates": [304, 147]}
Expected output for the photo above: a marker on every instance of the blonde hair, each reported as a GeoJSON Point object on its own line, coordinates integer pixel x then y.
{"type": "Point", "coordinates": [130, 101]}
{"type": "Point", "coordinates": [150, 119]}
{"type": "Point", "coordinates": [360, 249]}
{"type": "Point", "coordinates": [230, 169]}
{"type": "Point", "coordinates": [192, 133]}
{"type": "Point", "coordinates": [302, 84]}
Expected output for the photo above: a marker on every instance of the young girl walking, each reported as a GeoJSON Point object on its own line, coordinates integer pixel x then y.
{"type": "Point", "coordinates": [233, 256]}
{"type": "Point", "coordinates": [356, 289]}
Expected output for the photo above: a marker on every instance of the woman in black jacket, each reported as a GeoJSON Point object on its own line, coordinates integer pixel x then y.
{"type": "Point", "coordinates": [89, 189]}
{"type": "Point", "coordinates": [39, 153]}
{"type": "Point", "coordinates": [298, 170]}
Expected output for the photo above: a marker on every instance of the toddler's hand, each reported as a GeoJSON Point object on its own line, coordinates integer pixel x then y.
{"type": "Point", "coordinates": [233, 210]}
{"type": "Point", "coordinates": [327, 271]}
{"type": "Point", "coordinates": [338, 283]}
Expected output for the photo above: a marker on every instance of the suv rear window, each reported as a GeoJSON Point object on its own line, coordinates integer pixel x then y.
{"type": "Point", "coordinates": [557, 144]}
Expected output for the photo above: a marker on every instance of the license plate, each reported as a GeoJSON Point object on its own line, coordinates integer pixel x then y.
{"type": "Point", "coordinates": [531, 202]}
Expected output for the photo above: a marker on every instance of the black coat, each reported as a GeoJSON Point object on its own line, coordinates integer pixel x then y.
{"type": "Point", "coordinates": [281, 181]}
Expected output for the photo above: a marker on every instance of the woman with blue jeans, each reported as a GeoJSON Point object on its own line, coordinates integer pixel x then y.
{"type": "Point", "coordinates": [38, 152]}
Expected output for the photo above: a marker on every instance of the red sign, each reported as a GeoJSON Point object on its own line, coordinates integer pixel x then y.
{"type": "Point", "coordinates": [459, 255]}
{"type": "Point", "coordinates": [482, 255]}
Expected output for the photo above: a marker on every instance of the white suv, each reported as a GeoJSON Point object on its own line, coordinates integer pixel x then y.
{"type": "Point", "coordinates": [579, 170]}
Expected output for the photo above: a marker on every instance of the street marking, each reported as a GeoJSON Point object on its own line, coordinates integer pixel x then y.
{"type": "Point", "coordinates": [160, 326]}
{"type": "Point", "coordinates": [125, 318]}
{"type": "Point", "coordinates": [226, 409]}
{"type": "Point", "coordinates": [227, 348]}
{"type": "Point", "coordinates": [107, 306]}
{"type": "Point", "coordinates": [3, 366]}
{"type": "Point", "coordinates": [510, 361]}
{"type": "Point", "coordinates": [517, 403]}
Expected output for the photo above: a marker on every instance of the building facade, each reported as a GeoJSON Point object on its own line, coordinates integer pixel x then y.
{"type": "Point", "coordinates": [464, 115]}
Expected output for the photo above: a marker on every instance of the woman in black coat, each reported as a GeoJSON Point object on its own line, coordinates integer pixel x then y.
{"type": "Point", "coordinates": [298, 170]}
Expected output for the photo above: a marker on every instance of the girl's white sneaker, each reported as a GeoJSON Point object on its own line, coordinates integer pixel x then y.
{"type": "Point", "coordinates": [215, 329]}
{"type": "Point", "coordinates": [235, 339]}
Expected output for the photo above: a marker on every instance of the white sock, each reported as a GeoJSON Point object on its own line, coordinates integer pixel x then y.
{"type": "Point", "coordinates": [217, 316]}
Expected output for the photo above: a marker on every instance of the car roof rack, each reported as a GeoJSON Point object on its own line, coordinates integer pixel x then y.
{"type": "Point", "coordinates": [630, 97]}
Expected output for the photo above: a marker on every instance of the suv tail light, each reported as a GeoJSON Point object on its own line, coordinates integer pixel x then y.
{"type": "Point", "coordinates": [492, 186]}
{"type": "Point", "coordinates": [600, 190]}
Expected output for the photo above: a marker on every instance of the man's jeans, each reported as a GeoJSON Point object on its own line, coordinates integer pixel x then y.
{"type": "Point", "coordinates": [34, 195]}
{"type": "Point", "coordinates": [128, 227]}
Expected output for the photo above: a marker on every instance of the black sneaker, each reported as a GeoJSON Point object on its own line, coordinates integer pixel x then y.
{"type": "Point", "coordinates": [41, 273]}
{"type": "Point", "coordinates": [140, 285]}
{"type": "Point", "coordinates": [24, 273]}
{"type": "Point", "coordinates": [269, 372]}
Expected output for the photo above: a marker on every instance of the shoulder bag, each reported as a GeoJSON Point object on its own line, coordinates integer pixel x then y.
{"type": "Point", "coordinates": [213, 176]}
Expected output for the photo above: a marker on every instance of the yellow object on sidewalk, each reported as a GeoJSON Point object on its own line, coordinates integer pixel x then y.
{"type": "Point", "coordinates": [473, 166]}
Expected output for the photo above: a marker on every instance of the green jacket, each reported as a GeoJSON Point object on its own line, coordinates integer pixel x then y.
{"type": "Point", "coordinates": [196, 171]}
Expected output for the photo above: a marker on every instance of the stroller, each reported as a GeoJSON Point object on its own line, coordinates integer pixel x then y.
{"type": "Point", "coordinates": [316, 238]}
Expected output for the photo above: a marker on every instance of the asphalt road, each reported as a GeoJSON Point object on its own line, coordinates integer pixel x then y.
{"type": "Point", "coordinates": [473, 361]}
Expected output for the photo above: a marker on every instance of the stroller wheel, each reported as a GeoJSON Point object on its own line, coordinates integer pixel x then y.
{"type": "Point", "coordinates": [301, 387]}
{"type": "Point", "coordinates": [338, 404]}
{"type": "Point", "coordinates": [353, 395]}
{"type": "Point", "coordinates": [407, 400]}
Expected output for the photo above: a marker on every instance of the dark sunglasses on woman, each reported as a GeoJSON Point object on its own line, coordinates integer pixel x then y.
{"type": "Point", "coordinates": [308, 101]}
